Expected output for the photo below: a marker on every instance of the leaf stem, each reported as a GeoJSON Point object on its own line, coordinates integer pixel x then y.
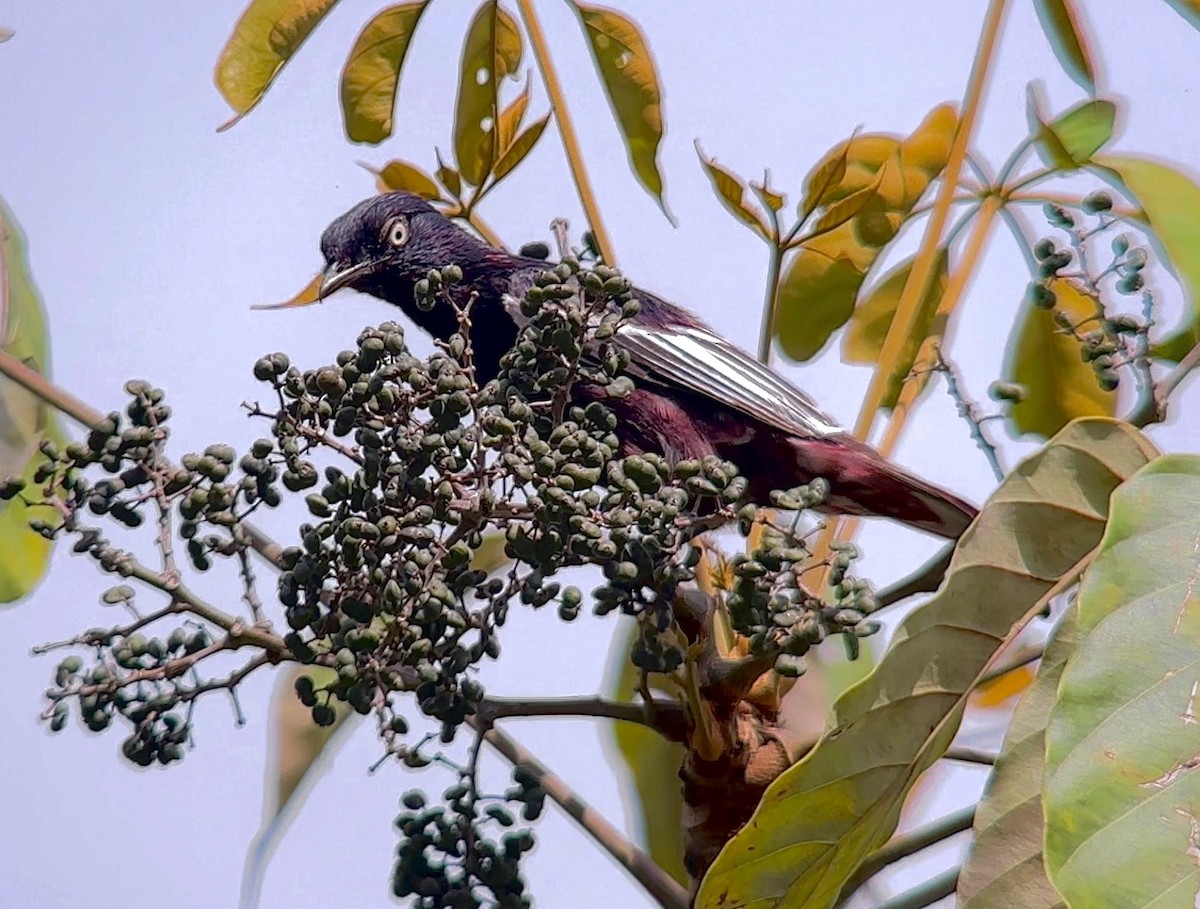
{"type": "Point", "coordinates": [664, 888]}
{"type": "Point", "coordinates": [936, 888]}
{"type": "Point", "coordinates": [907, 844]}
{"type": "Point", "coordinates": [566, 130]}
{"type": "Point", "coordinates": [770, 304]}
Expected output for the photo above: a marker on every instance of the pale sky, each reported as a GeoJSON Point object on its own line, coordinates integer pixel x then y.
{"type": "Point", "coordinates": [151, 235]}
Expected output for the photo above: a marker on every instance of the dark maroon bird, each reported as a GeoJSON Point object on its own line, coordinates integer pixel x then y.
{"type": "Point", "coordinates": [696, 394]}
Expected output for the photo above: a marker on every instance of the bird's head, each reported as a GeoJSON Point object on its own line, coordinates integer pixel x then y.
{"type": "Point", "coordinates": [385, 244]}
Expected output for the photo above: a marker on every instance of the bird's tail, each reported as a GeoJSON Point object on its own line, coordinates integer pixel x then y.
{"type": "Point", "coordinates": [863, 482]}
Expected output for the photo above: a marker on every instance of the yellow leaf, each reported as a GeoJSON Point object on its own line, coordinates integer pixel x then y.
{"type": "Point", "coordinates": [731, 190]}
{"type": "Point", "coordinates": [306, 297]}
{"type": "Point", "coordinates": [627, 71]}
{"type": "Point", "coordinates": [264, 39]}
{"type": "Point", "coordinates": [1059, 386]}
{"type": "Point", "coordinates": [448, 176]}
{"type": "Point", "coordinates": [402, 175]}
{"type": "Point", "coordinates": [824, 178]}
{"type": "Point", "coordinates": [520, 147]}
{"type": "Point", "coordinates": [882, 181]}
{"type": "Point", "coordinates": [1001, 689]}
{"type": "Point", "coordinates": [371, 76]}
{"type": "Point", "coordinates": [491, 52]}
{"type": "Point", "coordinates": [511, 118]}
{"type": "Point", "coordinates": [873, 316]}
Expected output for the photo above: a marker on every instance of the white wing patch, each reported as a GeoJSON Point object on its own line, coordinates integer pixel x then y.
{"type": "Point", "coordinates": [706, 363]}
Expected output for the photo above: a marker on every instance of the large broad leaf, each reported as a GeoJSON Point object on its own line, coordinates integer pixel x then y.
{"type": "Point", "coordinates": [1122, 793]}
{"type": "Point", "coordinates": [824, 815]}
{"type": "Point", "coordinates": [873, 317]}
{"type": "Point", "coordinates": [821, 283]}
{"type": "Point", "coordinates": [631, 83]}
{"type": "Point", "coordinates": [492, 52]}
{"type": "Point", "coordinates": [1059, 385]}
{"type": "Point", "coordinates": [1070, 141]}
{"type": "Point", "coordinates": [652, 763]}
{"type": "Point", "coordinates": [266, 36]}
{"type": "Point", "coordinates": [1063, 25]}
{"type": "Point", "coordinates": [371, 76]}
{"type": "Point", "coordinates": [300, 751]}
{"type": "Point", "coordinates": [1170, 202]}
{"type": "Point", "coordinates": [24, 420]}
{"type": "Point", "coordinates": [1004, 868]}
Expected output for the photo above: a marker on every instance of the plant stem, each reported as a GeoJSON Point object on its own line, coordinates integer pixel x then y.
{"type": "Point", "coordinates": [566, 130]}
{"type": "Point", "coordinates": [926, 894]}
{"type": "Point", "coordinates": [664, 888]}
{"type": "Point", "coordinates": [770, 305]}
{"type": "Point", "coordinates": [643, 714]}
{"type": "Point", "coordinates": [970, 755]}
{"type": "Point", "coordinates": [1152, 406]}
{"type": "Point", "coordinates": [907, 844]}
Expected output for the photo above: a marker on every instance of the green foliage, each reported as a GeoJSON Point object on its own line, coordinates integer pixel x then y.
{"type": "Point", "coordinates": [824, 815]}
{"type": "Point", "coordinates": [25, 421]}
{"type": "Point", "coordinates": [371, 76]}
{"type": "Point", "coordinates": [491, 53]}
{"type": "Point", "coordinates": [1062, 23]}
{"type": "Point", "coordinates": [1004, 868]}
{"type": "Point", "coordinates": [1121, 798]}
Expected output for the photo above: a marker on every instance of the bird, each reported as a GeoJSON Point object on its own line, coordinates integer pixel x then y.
{"type": "Point", "coordinates": [695, 393]}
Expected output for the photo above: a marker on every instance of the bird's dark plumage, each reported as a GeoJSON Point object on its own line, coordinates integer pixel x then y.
{"type": "Point", "coordinates": [696, 394]}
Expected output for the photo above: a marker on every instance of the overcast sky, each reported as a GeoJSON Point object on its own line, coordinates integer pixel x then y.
{"type": "Point", "coordinates": [150, 236]}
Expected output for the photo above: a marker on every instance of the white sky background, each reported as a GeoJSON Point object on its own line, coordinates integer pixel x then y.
{"type": "Point", "coordinates": [150, 236]}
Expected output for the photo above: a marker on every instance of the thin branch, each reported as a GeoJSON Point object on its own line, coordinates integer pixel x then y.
{"type": "Point", "coordinates": [936, 888]}
{"type": "Point", "coordinates": [970, 413]}
{"type": "Point", "coordinates": [770, 304]}
{"type": "Point", "coordinates": [664, 888]}
{"type": "Point", "coordinates": [901, 847]}
{"type": "Point", "coordinates": [643, 714]}
{"type": "Point", "coordinates": [924, 580]}
{"type": "Point", "coordinates": [970, 755]}
{"type": "Point", "coordinates": [1152, 406]}
{"type": "Point", "coordinates": [566, 129]}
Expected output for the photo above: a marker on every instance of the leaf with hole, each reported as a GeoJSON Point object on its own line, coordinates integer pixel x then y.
{"type": "Point", "coordinates": [1122, 789]}
{"type": "Point", "coordinates": [1059, 385]}
{"type": "Point", "coordinates": [265, 38]}
{"type": "Point", "coordinates": [821, 818]}
{"type": "Point", "coordinates": [491, 53]}
{"type": "Point", "coordinates": [631, 82]}
{"type": "Point", "coordinates": [371, 76]}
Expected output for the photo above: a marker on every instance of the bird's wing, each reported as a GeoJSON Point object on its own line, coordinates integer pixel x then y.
{"type": "Point", "coordinates": [695, 358]}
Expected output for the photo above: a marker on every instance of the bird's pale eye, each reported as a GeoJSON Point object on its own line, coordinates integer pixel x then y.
{"type": "Point", "coordinates": [396, 232]}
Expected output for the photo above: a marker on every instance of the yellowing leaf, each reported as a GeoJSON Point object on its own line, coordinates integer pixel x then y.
{"type": "Point", "coordinates": [371, 76]}
{"type": "Point", "coordinates": [491, 52]}
{"type": "Point", "coordinates": [1062, 24]}
{"type": "Point", "coordinates": [264, 39]}
{"type": "Point", "coordinates": [24, 419]}
{"type": "Point", "coordinates": [402, 175]}
{"type": "Point", "coordinates": [511, 118]}
{"type": "Point", "coordinates": [627, 71]}
{"type": "Point", "coordinates": [306, 297]}
{"type": "Point", "coordinates": [818, 821]}
{"type": "Point", "coordinates": [1188, 9]}
{"type": "Point", "coordinates": [1070, 141]}
{"type": "Point", "coordinates": [824, 177]}
{"type": "Point", "coordinates": [1170, 201]}
{"type": "Point", "coordinates": [448, 176]}
{"type": "Point", "coordinates": [872, 319]}
{"type": "Point", "coordinates": [520, 147]}
{"type": "Point", "coordinates": [819, 287]}
{"type": "Point", "coordinates": [731, 190]}
{"type": "Point", "coordinates": [1059, 385]}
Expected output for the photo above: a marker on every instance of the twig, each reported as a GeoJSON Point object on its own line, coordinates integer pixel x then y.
{"type": "Point", "coordinates": [936, 888]}
{"type": "Point", "coordinates": [86, 415]}
{"type": "Point", "coordinates": [566, 129]}
{"type": "Point", "coordinates": [907, 844]}
{"type": "Point", "coordinates": [644, 714]}
{"type": "Point", "coordinates": [969, 412]}
{"type": "Point", "coordinates": [1152, 406]}
{"type": "Point", "coordinates": [970, 755]}
{"type": "Point", "coordinates": [924, 580]}
{"type": "Point", "coordinates": [664, 888]}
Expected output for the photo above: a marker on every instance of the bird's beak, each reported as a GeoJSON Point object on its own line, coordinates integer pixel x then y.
{"type": "Point", "coordinates": [338, 276]}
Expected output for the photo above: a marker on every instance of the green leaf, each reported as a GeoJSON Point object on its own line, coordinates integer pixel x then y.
{"type": "Point", "coordinates": [888, 176]}
{"type": "Point", "coordinates": [403, 175]}
{"type": "Point", "coordinates": [511, 118]}
{"type": "Point", "coordinates": [520, 147]}
{"type": "Point", "coordinates": [371, 76]}
{"type": "Point", "coordinates": [1070, 141]}
{"type": "Point", "coordinates": [24, 419]}
{"type": "Point", "coordinates": [627, 72]}
{"type": "Point", "coordinates": [731, 190]}
{"type": "Point", "coordinates": [1004, 867]}
{"type": "Point", "coordinates": [1059, 385]}
{"type": "Point", "coordinates": [1188, 9]}
{"type": "Point", "coordinates": [300, 751]}
{"type": "Point", "coordinates": [1122, 794]}
{"type": "Point", "coordinates": [1170, 203]}
{"type": "Point", "coordinates": [1062, 24]}
{"type": "Point", "coordinates": [873, 317]}
{"type": "Point", "coordinates": [266, 36]}
{"type": "Point", "coordinates": [492, 52]}
{"type": "Point", "coordinates": [652, 763]}
{"type": "Point", "coordinates": [825, 814]}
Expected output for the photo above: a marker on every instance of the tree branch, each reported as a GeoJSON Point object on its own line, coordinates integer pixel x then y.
{"type": "Point", "coordinates": [903, 846]}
